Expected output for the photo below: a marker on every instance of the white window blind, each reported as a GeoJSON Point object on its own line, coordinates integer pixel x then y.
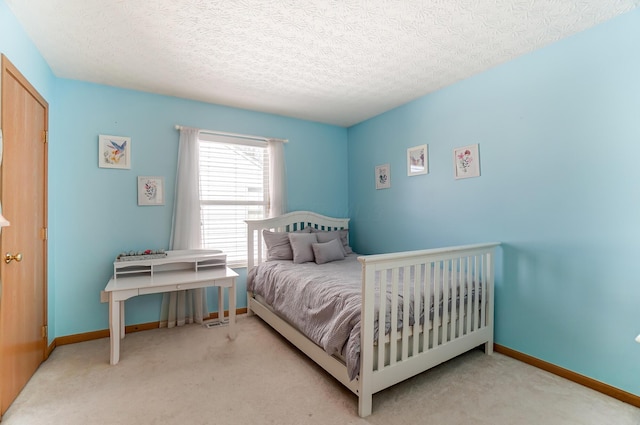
{"type": "Point", "coordinates": [234, 186]}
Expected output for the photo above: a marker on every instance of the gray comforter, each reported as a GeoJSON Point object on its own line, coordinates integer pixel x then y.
{"type": "Point", "coordinates": [321, 301]}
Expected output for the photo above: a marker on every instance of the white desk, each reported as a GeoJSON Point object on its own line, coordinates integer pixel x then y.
{"type": "Point", "coordinates": [125, 287]}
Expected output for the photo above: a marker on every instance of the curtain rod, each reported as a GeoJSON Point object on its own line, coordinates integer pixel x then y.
{"type": "Point", "coordinates": [243, 136]}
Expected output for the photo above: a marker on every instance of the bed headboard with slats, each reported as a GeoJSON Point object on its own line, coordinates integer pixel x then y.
{"type": "Point", "coordinates": [289, 222]}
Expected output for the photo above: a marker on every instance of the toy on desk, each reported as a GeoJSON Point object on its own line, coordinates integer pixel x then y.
{"type": "Point", "coordinates": [141, 255]}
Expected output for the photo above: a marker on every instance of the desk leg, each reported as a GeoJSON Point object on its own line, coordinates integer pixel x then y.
{"type": "Point", "coordinates": [114, 329]}
{"type": "Point", "coordinates": [232, 310]}
{"type": "Point", "coordinates": [122, 332]}
{"type": "Point", "coordinates": [220, 305]}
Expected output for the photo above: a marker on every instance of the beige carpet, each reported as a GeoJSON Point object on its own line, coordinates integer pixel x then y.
{"type": "Point", "coordinates": [195, 375]}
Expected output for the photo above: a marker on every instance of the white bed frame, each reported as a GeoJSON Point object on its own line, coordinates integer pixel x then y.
{"type": "Point", "coordinates": [383, 365]}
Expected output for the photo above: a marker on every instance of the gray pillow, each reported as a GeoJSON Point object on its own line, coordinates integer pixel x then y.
{"type": "Point", "coordinates": [328, 251]}
{"type": "Point", "coordinates": [343, 234]}
{"type": "Point", "coordinates": [301, 246]}
{"type": "Point", "coordinates": [278, 246]}
{"type": "Point", "coordinates": [331, 236]}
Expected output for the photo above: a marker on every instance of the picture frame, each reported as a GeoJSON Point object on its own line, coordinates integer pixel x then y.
{"type": "Point", "coordinates": [466, 162]}
{"type": "Point", "coordinates": [417, 160]}
{"type": "Point", "coordinates": [150, 190]}
{"type": "Point", "coordinates": [383, 176]}
{"type": "Point", "coordinates": [114, 152]}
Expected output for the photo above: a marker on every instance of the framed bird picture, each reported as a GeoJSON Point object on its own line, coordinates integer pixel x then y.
{"type": "Point", "coordinates": [114, 152]}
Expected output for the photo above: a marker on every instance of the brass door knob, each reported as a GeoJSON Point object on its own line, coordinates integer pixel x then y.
{"type": "Point", "coordinates": [8, 257]}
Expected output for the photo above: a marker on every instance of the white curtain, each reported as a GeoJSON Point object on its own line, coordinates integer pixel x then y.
{"type": "Point", "coordinates": [277, 178]}
{"type": "Point", "coordinates": [182, 307]}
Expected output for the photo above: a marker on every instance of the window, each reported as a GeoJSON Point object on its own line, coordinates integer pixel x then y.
{"type": "Point", "coordinates": [234, 186]}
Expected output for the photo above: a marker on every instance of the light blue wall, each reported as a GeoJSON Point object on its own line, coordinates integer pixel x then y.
{"type": "Point", "coordinates": [18, 47]}
{"type": "Point", "coordinates": [97, 212]}
{"type": "Point", "coordinates": [20, 50]}
{"type": "Point", "coordinates": [559, 136]}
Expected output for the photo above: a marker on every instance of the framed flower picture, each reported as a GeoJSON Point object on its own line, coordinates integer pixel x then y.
{"type": "Point", "coordinates": [466, 162]}
{"type": "Point", "coordinates": [417, 160]}
{"type": "Point", "coordinates": [150, 190]}
{"type": "Point", "coordinates": [114, 152]}
{"type": "Point", "coordinates": [383, 176]}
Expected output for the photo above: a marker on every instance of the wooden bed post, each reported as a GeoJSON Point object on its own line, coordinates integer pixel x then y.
{"type": "Point", "coordinates": [490, 261]}
{"type": "Point", "coordinates": [365, 404]}
{"type": "Point", "coordinates": [250, 264]}
{"type": "Point", "coordinates": [367, 311]}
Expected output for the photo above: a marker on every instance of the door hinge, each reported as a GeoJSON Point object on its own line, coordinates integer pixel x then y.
{"type": "Point", "coordinates": [45, 234]}
{"type": "Point", "coordinates": [45, 331]}
{"type": "Point", "coordinates": [45, 136]}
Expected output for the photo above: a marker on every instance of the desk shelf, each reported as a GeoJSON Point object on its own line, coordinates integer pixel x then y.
{"type": "Point", "coordinates": [190, 259]}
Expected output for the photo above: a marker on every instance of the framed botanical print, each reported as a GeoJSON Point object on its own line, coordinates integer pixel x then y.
{"type": "Point", "coordinates": [150, 190]}
{"type": "Point", "coordinates": [466, 162]}
{"type": "Point", "coordinates": [383, 176]}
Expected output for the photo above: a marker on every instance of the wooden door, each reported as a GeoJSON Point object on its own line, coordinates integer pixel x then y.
{"type": "Point", "coordinates": [23, 183]}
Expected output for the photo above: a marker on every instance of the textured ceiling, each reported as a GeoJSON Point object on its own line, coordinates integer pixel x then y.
{"type": "Point", "coordinates": [331, 61]}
